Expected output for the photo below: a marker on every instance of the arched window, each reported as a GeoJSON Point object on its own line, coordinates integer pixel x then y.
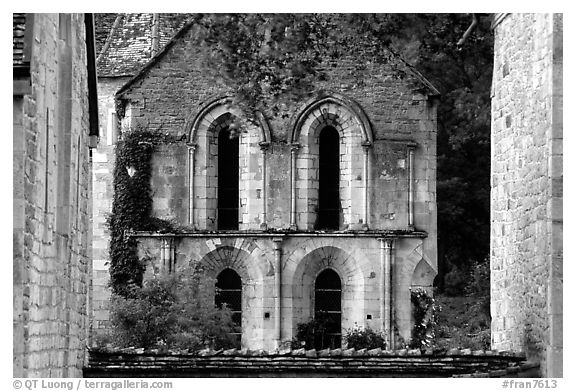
{"type": "Point", "coordinates": [228, 191]}
{"type": "Point", "coordinates": [328, 309]}
{"type": "Point", "coordinates": [229, 292]}
{"type": "Point", "coordinates": [329, 206]}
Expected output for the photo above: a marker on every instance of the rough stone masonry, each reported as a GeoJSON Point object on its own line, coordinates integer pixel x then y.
{"type": "Point", "coordinates": [527, 191]}
{"type": "Point", "coordinates": [51, 231]}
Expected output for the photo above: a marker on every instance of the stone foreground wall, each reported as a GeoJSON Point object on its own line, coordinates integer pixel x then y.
{"type": "Point", "coordinates": [526, 231]}
{"type": "Point", "coordinates": [310, 363]}
{"type": "Point", "coordinates": [52, 189]}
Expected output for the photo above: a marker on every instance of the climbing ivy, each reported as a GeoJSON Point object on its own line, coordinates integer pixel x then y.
{"type": "Point", "coordinates": [131, 206]}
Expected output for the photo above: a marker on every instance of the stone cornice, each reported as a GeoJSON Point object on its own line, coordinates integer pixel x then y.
{"type": "Point", "coordinates": [384, 234]}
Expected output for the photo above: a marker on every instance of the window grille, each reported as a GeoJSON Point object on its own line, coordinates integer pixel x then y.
{"type": "Point", "coordinates": [229, 292]}
{"type": "Point", "coordinates": [328, 310]}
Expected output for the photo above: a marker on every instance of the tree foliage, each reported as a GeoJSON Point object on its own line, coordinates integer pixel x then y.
{"type": "Point", "coordinates": [463, 74]}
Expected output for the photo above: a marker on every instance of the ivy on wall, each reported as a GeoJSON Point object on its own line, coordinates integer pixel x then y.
{"type": "Point", "coordinates": [131, 206]}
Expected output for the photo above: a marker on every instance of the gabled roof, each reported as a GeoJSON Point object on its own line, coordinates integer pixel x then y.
{"type": "Point", "coordinates": [124, 41]}
{"type": "Point", "coordinates": [144, 70]}
{"type": "Point", "coordinates": [426, 87]}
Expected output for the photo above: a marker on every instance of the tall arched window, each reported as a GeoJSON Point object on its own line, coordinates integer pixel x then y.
{"type": "Point", "coordinates": [229, 292]}
{"type": "Point", "coordinates": [328, 309]}
{"type": "Point", "coordinates": [228, 191]}
{"type": "Point", "coordinates": [328, 217]}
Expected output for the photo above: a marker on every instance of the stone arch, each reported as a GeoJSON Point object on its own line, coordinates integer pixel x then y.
{"type": "Point", "coordinates": [353, 284]}
{"type": "Point", "coordinates": [331, 102]}
{"type": "Point", "coordinates": [423, 275]}
{"type": "Point", "coordinates": [356, 139]}
{"type": "Point", "coordinates": [202, 132]}
{"type": "Point", "coordinates": [212, 109]}
{"type": "Point", "coordinates": [413, 270]}
{"type": "Point", "coordinates": [252, 274]}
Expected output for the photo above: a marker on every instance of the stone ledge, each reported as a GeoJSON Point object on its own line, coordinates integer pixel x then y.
{"type": "Point", "coordinates": [407, 233]}
{"type": "Point", "coordinates": [133, 362]}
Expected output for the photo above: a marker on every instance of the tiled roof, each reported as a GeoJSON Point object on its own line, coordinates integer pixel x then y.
{"type": "Point", "coordinates": [19, 27]}
{"type": "Point", "coordinates": [123, 49]}
{"type": "Point", "coordinates": [301, 362]}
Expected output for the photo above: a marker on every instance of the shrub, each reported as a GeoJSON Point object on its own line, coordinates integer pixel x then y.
{"type": "Point", "coordinates": [170, 312]}
{"type": "Point", "coordinates": [455, 281]}
{"type": "Point", "coordinates": [314, 334]}
{"type": "Point", "coordinates": [364, 338]}
{"type": "Point", "coordinates": [478, 288]}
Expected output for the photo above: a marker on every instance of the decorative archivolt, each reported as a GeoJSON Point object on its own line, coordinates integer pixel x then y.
{"type": "Point", "coordinates": [335, 110]}
{"type": "Point", "coordinates": [213, 110]}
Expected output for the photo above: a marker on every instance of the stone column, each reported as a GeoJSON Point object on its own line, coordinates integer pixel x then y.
{"type": "Point", "coordinates": [366, 212]}
{"type": "Point", "coordinates": [386, 309]}
{"type": "Point", "coordinates": [278, 290]}
{"type": "Point", "coordinates": [164, 255]}
{"type": "Point", "coordinates": [293, 154]}
{"type": "Point", "coordinates": [264, 148]}
{"type": "Point", "coordinates": [191, 149]}
{"type": "Point", "coordinates": [410, 186]}
{"type": "Point", "coordinates": [167, 255]}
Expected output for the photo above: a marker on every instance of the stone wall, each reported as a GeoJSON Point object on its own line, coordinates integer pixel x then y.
{"type": "Point", "coordinates": [526, 231]}
{"type": "Point", "coordinates": [310, 363]}
{"type": "Point", "coordinates": [356, 258]}
{"type": "Point", "coordinates": [102, 179]}
{"type": "Point", "coordinates": [176, 89]}
{"type": "Point", "coordinates": [52, 211]}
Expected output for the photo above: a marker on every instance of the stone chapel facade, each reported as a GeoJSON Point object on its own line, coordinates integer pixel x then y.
{"type": "Point", "coordinates": [331, 209]}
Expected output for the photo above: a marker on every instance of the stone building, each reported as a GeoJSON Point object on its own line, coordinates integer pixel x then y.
{"type": "Point", "coordinates": [55, 125]}
{"type": "Point", "coordinates": [332, 208]}
{"type": "Point", "coordinates": [527, 191]}
{"type": "Point", "coordinates": [124, 44]}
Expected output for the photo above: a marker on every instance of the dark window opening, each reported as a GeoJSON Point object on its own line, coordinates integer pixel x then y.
{"type": "Point", "coordinates": [329, 180]}
{"type": "Point", "coordinates": [228, 192]}
{"type": "Point", "coordinates": [328, 310]}
{"type": "Point", "coordinates": [229, 292]}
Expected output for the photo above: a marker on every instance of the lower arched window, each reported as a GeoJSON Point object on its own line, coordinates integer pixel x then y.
{"type": "Point", "coordinates": [229, 292]}
{"type": "Point", "coordinates": [328, 310]}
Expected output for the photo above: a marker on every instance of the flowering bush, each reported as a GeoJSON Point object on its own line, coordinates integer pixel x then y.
{"type": "Point", "coordinates": [424, 311]}
{"type": "Point", "coordinates": [365, 338]}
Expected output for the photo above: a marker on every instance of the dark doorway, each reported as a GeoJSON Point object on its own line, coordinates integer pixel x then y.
{"type": "Point", "coordinates": [229, 292]}
{"type": "Point", "coordinates": [228, 193]}
{"type": "Point", "coordinates": [329, 180]}
{"type": "Point", "coordinates": [328, 309]}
